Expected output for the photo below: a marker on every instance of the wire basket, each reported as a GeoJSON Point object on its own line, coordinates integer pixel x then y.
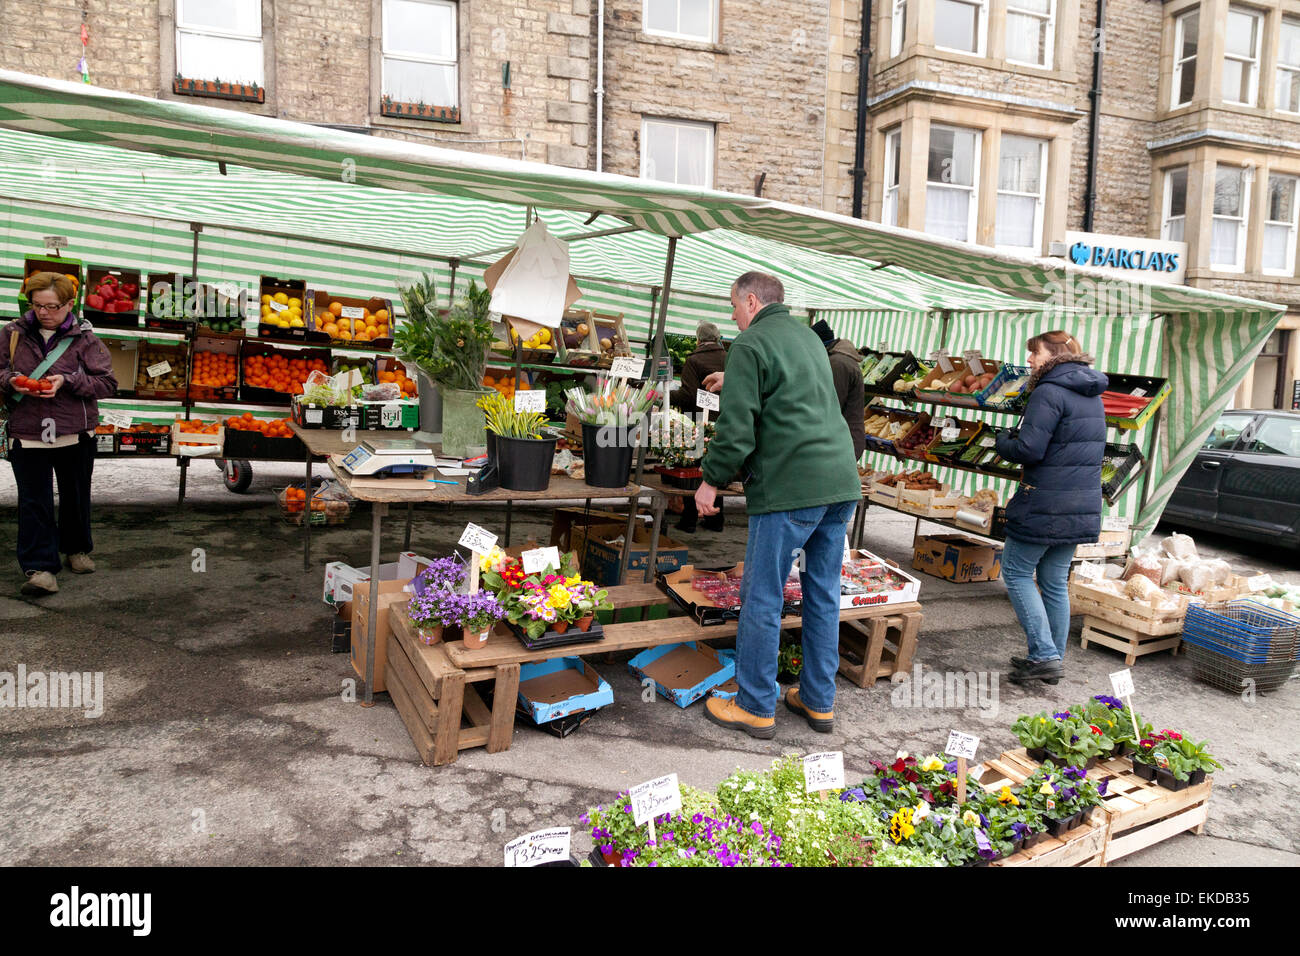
{"type": "Point", "coordinates": [321, 511]}
{"type": "Point", "coordinates": [1239, 642]}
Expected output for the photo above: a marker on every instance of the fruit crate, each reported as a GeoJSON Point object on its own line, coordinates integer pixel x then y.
{"type": "Point", "coordinates": [291, 290]}
{"type": "Point", "coordinates": [884, 384]}
{"type": "Point", "coordinates": [1013, 403]}
{"type": "Point", "coordinates": [1120, 467]}
{"type": "Point", "coordinates": [169, 385]}
{"type": "Point", "coordinates": [168, 304]}
{"type": "Point", "coordinates": [128, 280]}
{"type": "Point", "coordinates": [1156, 389]}
{"type": "Point", "coordinates": [259, 395]}
{"type": "Point", "coordinates": [323, 313]}
{"type": "Point", "coordinates": [209, 345]}
{"type": "Point", "coordinates": [197, 444]}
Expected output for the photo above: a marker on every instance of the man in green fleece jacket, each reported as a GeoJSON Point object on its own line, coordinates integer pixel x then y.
{"type": "Point", "coordinates": [780, 429]}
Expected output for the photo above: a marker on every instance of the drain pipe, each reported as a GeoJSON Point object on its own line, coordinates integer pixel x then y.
{"type": "Point", "coordinates": [1094, 119]}
{"type": "Point", "coordinates": [860, 133]}
{"type": "Point", "coordinates": [600, 86]}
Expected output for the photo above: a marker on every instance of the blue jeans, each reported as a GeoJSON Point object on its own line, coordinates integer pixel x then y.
{"type": "Point", "coordinates": [1043, 609]}
{"type": "Point", "coordinates": [769, 555]}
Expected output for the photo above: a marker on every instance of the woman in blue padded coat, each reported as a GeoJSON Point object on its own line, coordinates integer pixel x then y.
{"type": "Point", "coordinates": [1060, 442]}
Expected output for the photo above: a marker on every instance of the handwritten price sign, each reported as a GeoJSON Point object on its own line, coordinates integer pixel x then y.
{"type": "Point", "coordinates": [477, 539]}
{"type": "Point", "coordinates": [655, 798]}
{"type": "Point", "coordinates": [627, 368]}
{"type": "Point", "coordinates": [538, 847]}
{"type": "Point", "coordinates": [708, 401]}
{"type": "Point", "coordinates": [530, 401]}
{"type": "Point", "coordinates": [823, 771]}
{"type": "Point", "coordinates": [539, 559]}
{"type": "Point", "coordinates": [961, 745]}
{"type": "Point", "coordinates": [1121, 683]}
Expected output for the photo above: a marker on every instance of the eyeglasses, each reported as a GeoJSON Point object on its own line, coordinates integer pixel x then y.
{"type": "Point", "coordinates": [48, 308]}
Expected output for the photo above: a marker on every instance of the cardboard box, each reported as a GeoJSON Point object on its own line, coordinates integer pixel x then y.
{"type": "Point", "coordinates": [557, 688]}
{"type": "Point", "coordinates": [600, 554]}
{"type": "Point", "coordinates": [564, 520]}
{"type": "Point", "coordinates": [311, 415]}
{"type": "Point", "coordinates": [341, 578]}
{"type": "Point", "coordinates": [398, 414]}
{"type": "Point", "coordinates": [854, 594]}
{"type": "Point", "coordinates": [683, 673]}
{"type": "Point", "coordinates": [700, 606]}
{"type": "Point", "coordinates": [957, 558]}
{"type": "Point", "coordinates": [391, 591]}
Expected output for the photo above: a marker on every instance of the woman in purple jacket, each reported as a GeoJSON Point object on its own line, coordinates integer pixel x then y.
{"type": "Point", "coordinates": [52, 432]}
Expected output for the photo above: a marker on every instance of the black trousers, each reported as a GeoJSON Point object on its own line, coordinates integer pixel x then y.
{"type": "Point", "coordinates": [690, 514]}
{"type": "Point", "coordinates": [41, 537]}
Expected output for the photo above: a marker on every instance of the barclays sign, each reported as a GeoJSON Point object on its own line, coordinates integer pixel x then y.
{"type": "Point", "coordinates": [1128, 257]}
{"type": "Point", "coordinates": [1082, 254]}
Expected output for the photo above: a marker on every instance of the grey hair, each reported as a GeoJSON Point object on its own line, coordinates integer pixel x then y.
{"type": "Point", "coordinates": [706, 332]}
{"type": "Point", "coordinates": [766, 287]}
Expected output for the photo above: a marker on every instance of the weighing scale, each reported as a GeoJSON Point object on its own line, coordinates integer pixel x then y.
{"type": "Point", "coordinates": [384, 457]}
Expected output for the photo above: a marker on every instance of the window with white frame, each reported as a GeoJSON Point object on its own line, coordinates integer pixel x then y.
{"type": "Point", "coordinates": [893, 179]}
{"type": "Point", "coordinates": [1288, 66]}
{"type": "Point", "coordinates": [1174, 217]}
{"type": "Point", "coordinates": [677, 151]}
{"type": "Point", "coordinates": [1280, 227]}
{"type": "Point", "coordinates": [688, 19]}
{"type": "Point", "coordinates": [1231, 202]}
{"type": "Point", "coordinates": [220, 40]}
{"type": "Point", "coordinates": [897, 27]}
{"type": "Point", "coordinates": [1242, 31]}
{"type": "Point", "coordinates": [961, 25]}
{"type": "Point", "coordinates": [1022, 173]}
{"type": "Point", "coordinates": [1187, 28]}
{"type": "Point", "coordinates": [950, 191]}
{"type": "Point", "coordinates": [1031, 31]}
{"type": "Point", "coordinates": [420, 52]}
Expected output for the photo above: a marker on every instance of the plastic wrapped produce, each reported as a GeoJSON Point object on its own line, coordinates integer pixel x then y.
{"type": "Point", "coordinates": [1179, 546]}
{"type": "Point", "coordinates": [1221, 569]}
{"type": "Point", "coordinates": [1141, 588]}
{"type": "Point", "coordinates": [1172, 568]}
{"type": "Point", "coordinates": [1197, 576]}
{"type": "Point", "coordinates": [1113, 572]}
{"type": "Point", "coordinates": [1146, 565]}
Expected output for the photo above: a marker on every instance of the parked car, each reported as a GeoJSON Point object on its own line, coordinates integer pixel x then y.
{"type": "Point", "coordinates": [1245, 480]}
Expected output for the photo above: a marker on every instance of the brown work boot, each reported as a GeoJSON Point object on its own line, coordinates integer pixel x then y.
{"type": "Point", "coordinates": [725, 712]}
{"type": "Point", "coordinates": [822, 723]}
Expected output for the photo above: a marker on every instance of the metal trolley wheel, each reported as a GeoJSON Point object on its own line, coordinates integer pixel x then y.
{"type": "Point", "coordinates": [236, 474]}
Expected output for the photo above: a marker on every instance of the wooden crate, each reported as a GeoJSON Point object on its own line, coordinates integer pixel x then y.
{"type": "Point", "coordinates": [1219, 593]}
{"type": "Point", "coordinates": [878, 647]}
{"type": "Point", "coordinates": [929, 503]}
{"type": "Point", "coordinates": [1137, 812]}
{"type": "Point", "coordinates": [1132, 615]}
{"type": "Point", "coordinates": [1132, 643]}
{"type": "Point", "coordinates": [1083, 846]}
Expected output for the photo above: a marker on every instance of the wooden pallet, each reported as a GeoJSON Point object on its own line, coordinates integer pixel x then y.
{"type": "Point", "coordinates": [1133, 643]}
{"type": "Point", "coordinates": [878, 647]}
{"type": "Point", "coordinates": [1138, 813]}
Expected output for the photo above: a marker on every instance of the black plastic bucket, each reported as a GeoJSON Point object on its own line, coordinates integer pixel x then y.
{"type": "Point", "coordinates": [524, 464]}
{"type": "Point", "coordinates": [609, 466]}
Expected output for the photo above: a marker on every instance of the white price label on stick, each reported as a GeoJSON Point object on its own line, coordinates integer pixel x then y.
{"type": "Point", "coordinates": [539, 559]}
{"type": "Point", "coordinates": [353, 312]}
{"type": "Point", "coordinates": [655, 798]}
{"type": "Point", "coordinates": [477, 539]}
{"type": "Point", "coordinates": [1121, 683]}
{"type": "Point", "coordinates": [530, 401]}
{"type": "Point", "coordinates": [162, 368]}
{"type": "Point", "coordinates": [823, 771]}
{"type": "Point", "coordinates": [116, 419]}
{"type": "Point", "coordinates": [708, 401]}
{"type": "Point", "coordinates": [538, 847]}
{"type": "Point", "coordinates": [1090, 572]}
{"type": "Point", "coordinates": [951, 433]}
{"type": "Point", "coordinates": [627, 368]}
{"type": "Point", "coordinates": [961, 745]}
{"type": "Point", "coordinates": [974, 361]}
{"type": "Point", "coordinates": [277, 306]}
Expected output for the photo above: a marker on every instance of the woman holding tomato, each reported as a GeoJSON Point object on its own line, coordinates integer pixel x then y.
{"type": "Point", "coordinates": [53, 371]}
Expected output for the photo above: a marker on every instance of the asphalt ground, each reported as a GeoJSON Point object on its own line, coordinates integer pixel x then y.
{"type": "Point", "coordinates": [225, 738]}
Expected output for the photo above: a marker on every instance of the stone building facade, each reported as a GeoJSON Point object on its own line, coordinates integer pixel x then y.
{"type": "Point", "coordinates": [977, 112]}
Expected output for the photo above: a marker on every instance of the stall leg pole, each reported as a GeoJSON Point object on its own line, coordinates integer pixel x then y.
{"type": "Point", "coordinates": [632, 503]}
{"type": "Point", "coordinates": [658, 349]}
{"type": "Point", "coordinates": [180, 493]}
{"type": "Point", "coordinates": [410, 513]}
{"type": "Point", "coordinates": [377, 511]}
{"type": "Point", "coordinates": [509, 514]}
{"type": "Point", "coordinates": [306, 519]}
{"type": "Point", "coordinates": [657, 505]}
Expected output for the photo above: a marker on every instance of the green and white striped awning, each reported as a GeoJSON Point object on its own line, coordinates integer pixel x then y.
{"type": "Point", "coordinates": [357, 213]}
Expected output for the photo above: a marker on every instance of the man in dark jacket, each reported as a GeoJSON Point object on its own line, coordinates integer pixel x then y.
{"type": "Point", "coordinates": [846, 370]}
{"type": "Point", "coordinates": [709, 356]}
{"type": "Point", "coordinates": [1061, 442]}
{"type": "Point", "coordinates": [779, 426]}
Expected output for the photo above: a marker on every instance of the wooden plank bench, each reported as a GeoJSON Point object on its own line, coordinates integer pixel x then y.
{"type": "Point", "coordinates": [432, 685]}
